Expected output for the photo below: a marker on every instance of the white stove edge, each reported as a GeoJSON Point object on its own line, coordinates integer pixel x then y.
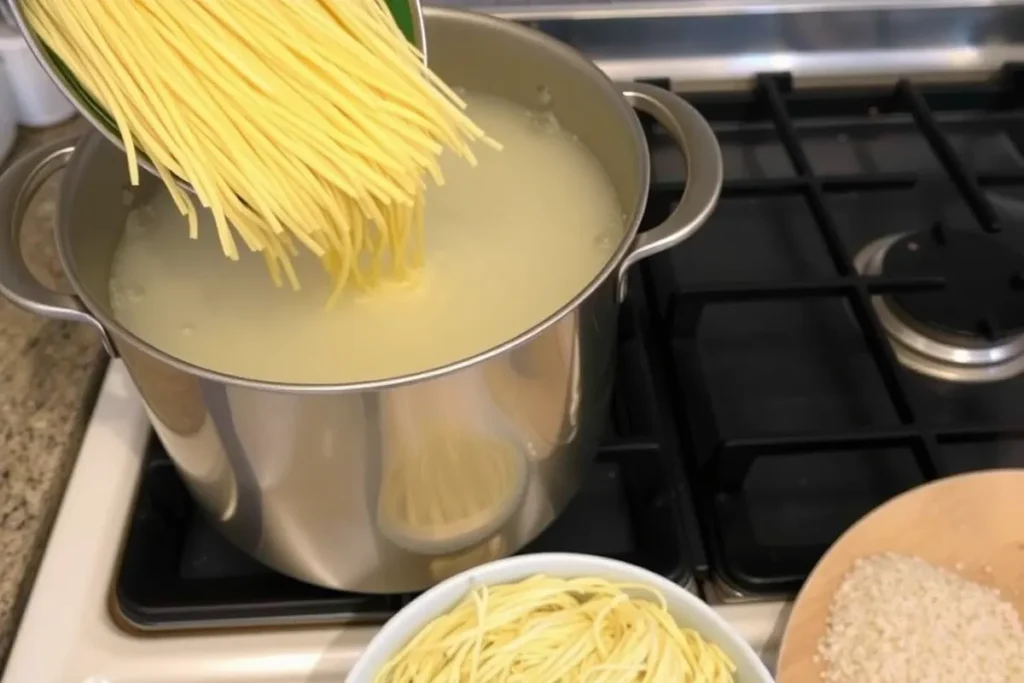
{"type": "Point", "coordinates": [67, 634]}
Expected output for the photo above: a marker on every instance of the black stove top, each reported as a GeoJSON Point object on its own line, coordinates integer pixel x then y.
{"type": "Point", "coordinates": [763, 403]}
{"type": "Point", "coordinates": [796, 415]}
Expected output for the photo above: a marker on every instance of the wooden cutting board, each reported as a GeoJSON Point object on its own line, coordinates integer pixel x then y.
{"type": "Point", "coordinates": [972, 524]}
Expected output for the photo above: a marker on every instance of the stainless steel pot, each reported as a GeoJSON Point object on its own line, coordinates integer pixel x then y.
{"type": "Point", "coordinates": [392, 485]}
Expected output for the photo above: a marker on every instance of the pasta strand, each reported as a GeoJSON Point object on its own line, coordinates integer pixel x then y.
{"type": "Point", "coordinates": [313, 121]}
{"type": "Point", "coordinates": [552, 630]}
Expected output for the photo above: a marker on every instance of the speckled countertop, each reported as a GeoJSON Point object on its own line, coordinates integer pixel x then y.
{"type": "Point", "coordinates": [48, 377]}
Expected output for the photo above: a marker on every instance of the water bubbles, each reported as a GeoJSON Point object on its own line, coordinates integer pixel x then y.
{"type": "Point", "coordinates": [544, 122]}
{"type": "Point", "coordinates": [544, 96]}
{"type": "Point", "coordinates": [47, 209]}
{"type": "Point", "coordinates": [610, 232]}
{"type": "Point", "coordinates": [123, 295]}
{"type": "Point", "coordinates": [605, 239]}
{"type": "Point", "coordinates": [135, 294]}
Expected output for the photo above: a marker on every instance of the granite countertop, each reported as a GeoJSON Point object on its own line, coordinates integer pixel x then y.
{"type": "Point", "coordinates": [49, 373]}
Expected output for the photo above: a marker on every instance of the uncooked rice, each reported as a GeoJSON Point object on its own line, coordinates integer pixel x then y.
{"type": "Point", "coordinates": [898, 619]}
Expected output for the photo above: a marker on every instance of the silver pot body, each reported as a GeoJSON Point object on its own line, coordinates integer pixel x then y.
{"type": "Point", "coordinates": [389, 486]}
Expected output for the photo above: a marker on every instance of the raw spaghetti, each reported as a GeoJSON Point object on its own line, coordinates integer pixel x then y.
{"type": "Point", "coordinates": [550, 630]}
{"type": "Point", "coordinates": [312, 122]}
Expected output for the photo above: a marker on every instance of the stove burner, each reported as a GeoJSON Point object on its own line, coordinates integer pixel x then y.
{"type": "Point", "coordinates": [970, 331]}
{"type": "Point", "coordinates": [981, 297]}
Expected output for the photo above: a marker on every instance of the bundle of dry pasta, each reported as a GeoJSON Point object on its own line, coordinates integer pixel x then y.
{"type": "Point", "coordinates": [312, 121]}
{"type": "Point", "coordinates": [581, 630]}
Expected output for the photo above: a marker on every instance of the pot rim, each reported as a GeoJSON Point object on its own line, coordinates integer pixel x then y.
{"type": "Point", "coordinates": [83, 150]}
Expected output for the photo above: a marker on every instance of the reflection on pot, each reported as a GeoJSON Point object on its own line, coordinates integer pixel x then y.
{"type": "Point", "coordinates": [453, 468]}
{"type": "Point", "coordinates": [539, 388]}
{"type": "Point", "coordinates": [445, 567]}
{"type": "Point", "coordinates": [174, 401]}
{"type": "Point", "coordinates": [450, 490]}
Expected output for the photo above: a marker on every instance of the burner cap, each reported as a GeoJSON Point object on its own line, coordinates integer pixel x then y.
{"type": "Point", "coordinates": [984, 292]}
{"type": "Point", "coordinates": [971, 330]}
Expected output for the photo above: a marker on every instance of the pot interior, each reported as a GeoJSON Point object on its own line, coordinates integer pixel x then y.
{"type": "Point", "coordinates": [482, 54]}
{"type": "Point", "coordinates": [467, 50]}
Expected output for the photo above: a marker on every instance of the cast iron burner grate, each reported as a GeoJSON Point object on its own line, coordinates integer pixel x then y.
{"type": "Point", "coordinates": [982, 296]}
{"type": "Point", "coordinates": [178, 572]}
{"type": "Point", "coordinates": [799, 410]}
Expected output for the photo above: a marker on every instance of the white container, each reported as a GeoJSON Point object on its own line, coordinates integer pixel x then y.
{"type": "Point", "coordinates": [686, 608]}
{"type": "Point", "coordinates": [39, 101]}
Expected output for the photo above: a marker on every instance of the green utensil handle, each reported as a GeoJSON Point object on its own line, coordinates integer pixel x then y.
{"type": "Point", "coordinates": [406, 14]}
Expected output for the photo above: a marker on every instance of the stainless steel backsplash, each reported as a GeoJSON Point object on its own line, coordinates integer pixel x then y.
{"type": "Point", "coordinates": [703, 44]}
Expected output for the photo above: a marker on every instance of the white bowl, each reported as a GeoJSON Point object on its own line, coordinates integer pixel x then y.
{"type": "Point", "coordinates": [687, 609]}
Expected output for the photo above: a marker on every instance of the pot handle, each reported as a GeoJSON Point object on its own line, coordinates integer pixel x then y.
{"type": "Point", "coordinates": [18, 185]}
{"type": "Point", "coordinates": [703, 171]}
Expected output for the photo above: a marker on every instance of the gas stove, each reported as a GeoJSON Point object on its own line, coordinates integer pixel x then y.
{"type": "Point", "coordinates": [848, 325]}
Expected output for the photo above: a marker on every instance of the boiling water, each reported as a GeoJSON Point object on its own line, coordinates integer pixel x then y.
{"type": "Point", "coordinates": [507, 244]}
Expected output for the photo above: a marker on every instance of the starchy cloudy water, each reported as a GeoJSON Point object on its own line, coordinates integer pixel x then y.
{"type": "Point", "coordinates": [508, 243]}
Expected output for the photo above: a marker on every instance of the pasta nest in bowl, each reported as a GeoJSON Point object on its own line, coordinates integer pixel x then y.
{"type": "Point", "coordinates": [558, 617]}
